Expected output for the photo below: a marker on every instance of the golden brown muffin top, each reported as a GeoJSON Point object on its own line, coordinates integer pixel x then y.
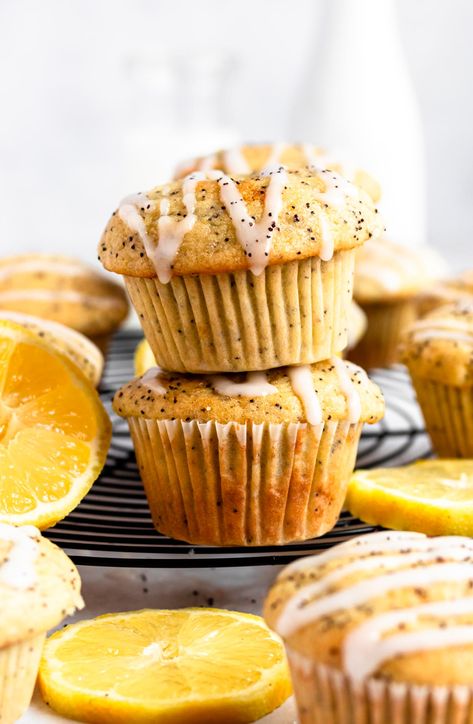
{"type": "Point", "coordinates": [330, 390]}
{"type": "Point", "coordinates": [211, 223]}
{"type": "Point", "coordinates": [390, 605]}
{"type": "Point", "coordinates": [386, 271]}
{"type": "Point", "coordinates": [439, 346]}
{"type": "Point", "coordinates": [251, 158]}
{"type": "Point", "coordinates": [447, 291]}
{"type": "Point", "coordinates": [62, 289]}
{"type": "Point", "coordinates": [39, 584]}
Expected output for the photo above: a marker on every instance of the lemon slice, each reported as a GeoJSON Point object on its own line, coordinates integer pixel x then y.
{"type": "Point", "coordinates": [54, 431]}
{"type": "Point", "coordinates": [190, 666]}
{"type": "Point", "coordinates": [144, 358]}
{"type": "Point", "coordinates": [432, 496]}
{"type": "Point", "coordinates": [73, 344]}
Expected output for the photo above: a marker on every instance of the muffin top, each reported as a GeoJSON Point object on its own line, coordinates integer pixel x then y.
{"type": "Point", "coordinates": [455, 289]}
{"type": "Point", "coordinates": [330, 390]}
{"type": "Point", "coordinates": [393, 605]}
{"type": "Point", "coordinates": [39, 584]}
{"type": "Point", "coordinates": [251, 158]}
{"type": "Point", "coordinates": [63, 290]}
{"type": "Point", "coordinates": [386, 270]}
{"type": "Point", "coordinates": [210, 223]}
{"type": "Point", "coordinates": [440, 345]}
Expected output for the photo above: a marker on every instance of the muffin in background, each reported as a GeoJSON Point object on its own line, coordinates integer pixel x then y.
{"type": "Point", "coordinates": [74, 345]}
{"type": "Point", "coordinates": [438, 352]}
{"type": "Point", "coordinates": [380, 629]}
{"type": "Point", "coordinates": [447, 291]}
{"type": "Point", "coordinates": [388, 280]}
{"type": "Point", "coordinates": [39, 586]}
{"type": "Point", "coordinates": [251, 158]}
{"type": "Point", "coordinates": [64, 290]}
{"type": "Point", "coordinates": [262, 459]}
{"type": "Point", "coordinates": [242, 274]}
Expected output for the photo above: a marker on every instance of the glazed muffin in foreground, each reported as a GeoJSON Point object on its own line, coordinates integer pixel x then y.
{"type": "Point", "coordinates": [241, 274]}
{"type": "Point", "coordinates": [380, 629]}
{"type": "Point", "coordinates": [388, 279]}
{"type": "Point", "coordinates": [251, 158]}
{"type": "Point", "coordinates": [438, 352]}
{"type": "Point", "coordinates": [447, 291]}
{"type": "Point", "coordinates": [39, 586]}
{"type": "Point", "coordinates": [64, 290]}
{"type": "Point", "coordinates": [257, 459]}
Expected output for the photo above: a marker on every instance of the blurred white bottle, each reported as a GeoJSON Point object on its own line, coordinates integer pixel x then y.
{"type": "Point", "coordinates": [357, 98]}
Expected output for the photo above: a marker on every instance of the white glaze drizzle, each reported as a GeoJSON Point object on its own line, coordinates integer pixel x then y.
{"type": "Point", "coordinates": [151, 379]}
{"type": "Point", "coordinates": [57, 295]}
{"type": "Point", "coordinates": [206, 163]}
{"type": "Point", "coordinates": [348, 389]}
{"type": "Point", "coordinates": [275, 153]}
{"type": "Point", "coordinates": [303, 386]}
{"type": "Point", "coordinates": [255, 237]}
{"type": "Point", "coordinates": [449, 329]}
{"type": "Point", "coordinates": [129, 213]}
{"type": "Point", "coordinates": [234, 162]}
{"type": "Point", "coordinates": [256, 385]}
{"type": "Point", "coordinates": [19, 571]}
{"type": "Point", "coordinates": [365, 648]}
{"type": "Point", "coordinates": [337, 188]}
{"type": "Point", "coordinates": [45, 266]}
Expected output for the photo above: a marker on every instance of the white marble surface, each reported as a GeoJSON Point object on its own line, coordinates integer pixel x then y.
{"type": "Point", "coordinates": [120, 589]}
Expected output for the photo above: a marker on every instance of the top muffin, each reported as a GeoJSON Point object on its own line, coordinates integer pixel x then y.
{"type": "Point", "coordinates": [211, 223]}
{"type": "Point", "coordinates": [251, 158]}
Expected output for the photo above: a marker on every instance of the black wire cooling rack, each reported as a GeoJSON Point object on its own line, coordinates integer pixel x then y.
{"type": "Point", "coordinates": [112, 525]}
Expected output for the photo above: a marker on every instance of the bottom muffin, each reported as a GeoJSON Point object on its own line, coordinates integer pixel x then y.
{"type": "Point", "coordinates": [379, 630]}
{"type": "Point", "coordinates": [257, 459]}
{"type": "Point", "coordinates": [438, 352]}
{"type": "Point", "coordinates": [39, 586]}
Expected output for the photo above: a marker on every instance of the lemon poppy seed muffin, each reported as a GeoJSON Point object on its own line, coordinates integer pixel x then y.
{"type": "Point", "coordinates": [447, 291]}
{"type": "Point", "coordinates": [380, 629]}
{"type": "Point", "coordinates": [39, 586]}
{"type": "Point", "coordinates": [251, 158]}
{"type": "Point", "coordinates": [241, 274]}
{"type": "Point", "coordinates": [438, 352]}
{"type": "Point", "coordinates": [388, 279]}
{"type": "Point", "coordinates": [64, 290]}
{"type": "Point", "coordinates": [257, 459]}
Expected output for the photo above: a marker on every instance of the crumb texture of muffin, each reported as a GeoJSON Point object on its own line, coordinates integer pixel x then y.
{"type": "Point", "coordinates": [257, 459]}
{"type": "Point", "coordinates": [254, 158]}
{"type": "Point", "coordinates": [64, 290]}
{"type": "Point", "coordinates": [39, 586]}
{"type": "Point", "coordinates": [383, 613]}
{"type": "Point", "coordinates": [438, 352]}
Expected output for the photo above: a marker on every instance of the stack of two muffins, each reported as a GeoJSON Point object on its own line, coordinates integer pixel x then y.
{"type": "Point", "coordinates": [242, 285]}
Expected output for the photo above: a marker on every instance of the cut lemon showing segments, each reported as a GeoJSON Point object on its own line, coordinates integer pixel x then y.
{"type": "Point", "coordinates": [144, 358]}
{"type": "Point", "coordinates": [431, 496]}
{"type": "Point", "coordinates": [65, 340]}
{"type": "Point", "coordinates": [190, 666]}
{"type": "Point", "coordinates": [54, 431]}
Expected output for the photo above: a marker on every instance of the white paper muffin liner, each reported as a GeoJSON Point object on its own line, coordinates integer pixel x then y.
{"type": "Point", "coordinates": [379, 346]}
{"type": "Point", "coordinates": [326, 696]}
{"type": "Point", "coordinates": [448, 415]}
{"type": "Point", "coordinates": [294, 313]}
{"type": "Point", "coordinates": [19, 664]}
{"type": "Point", "coordinates": [244, 484]}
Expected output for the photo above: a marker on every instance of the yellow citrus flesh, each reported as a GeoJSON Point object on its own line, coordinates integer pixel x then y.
{"type": "Point", "coordinates": [144, 358]}
{"type": "Point", "coordinates": [192, 666]}
{"type": "Point", "coordinates": [54, 431]}
{"type": "Point", "coordinates": [432, 496]}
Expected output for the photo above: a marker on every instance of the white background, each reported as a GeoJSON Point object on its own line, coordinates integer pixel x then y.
{"type": "Point", "coordinates": [80, 126]}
